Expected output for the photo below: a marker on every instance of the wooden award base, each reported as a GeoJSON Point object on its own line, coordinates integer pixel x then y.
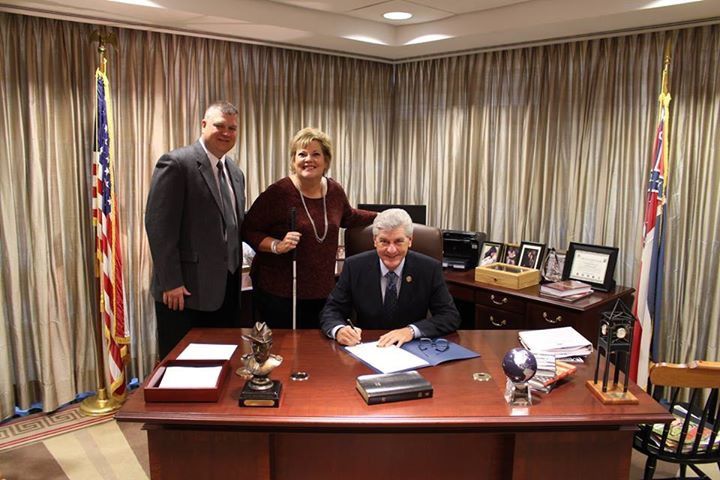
{"type": "Point", "coordinates": [260, 398]}
{"type": "Point", "coordinates": [614, 394]}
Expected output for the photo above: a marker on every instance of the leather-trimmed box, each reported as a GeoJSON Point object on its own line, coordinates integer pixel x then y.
{"type": "Point", "coordinates": [154, 393]}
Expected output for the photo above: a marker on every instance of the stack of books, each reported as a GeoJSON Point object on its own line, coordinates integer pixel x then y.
{"type": "Point", "coordinates": [549, 372]}
{"type": "Point", "coordinates": [393, 387]}
{"type": "Point", "coordinates": [568, 290]}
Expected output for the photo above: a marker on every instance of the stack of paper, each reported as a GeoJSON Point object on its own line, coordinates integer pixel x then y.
{"type": "Point", "coordinates": [561, 342]}
{"type": "Point", "coordinates": [207, 351]}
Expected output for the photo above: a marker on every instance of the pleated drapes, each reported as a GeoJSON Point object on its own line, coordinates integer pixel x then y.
{"type": "Point", "coordinates": [549, 144]}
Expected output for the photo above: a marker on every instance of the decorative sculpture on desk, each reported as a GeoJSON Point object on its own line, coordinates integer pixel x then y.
{"type": "Point", "coordinates": [614, 344]}
{"type": "Point", "coordinates": [519, 366]}
{"type": "Point", "coordinates": [260, 391]}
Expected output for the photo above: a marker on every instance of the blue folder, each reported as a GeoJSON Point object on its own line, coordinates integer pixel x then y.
{"type": "Point", "coordinates": [433, 357]}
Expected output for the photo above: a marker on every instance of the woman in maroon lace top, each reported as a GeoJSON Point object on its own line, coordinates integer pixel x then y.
{"type": "Point", "coordinates": [321, 208]}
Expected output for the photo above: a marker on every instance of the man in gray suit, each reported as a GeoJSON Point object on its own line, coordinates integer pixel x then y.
{"type": "Point", "coordinates": [193, 216]}
{"type": "Point", "coordinates": [390, 287]}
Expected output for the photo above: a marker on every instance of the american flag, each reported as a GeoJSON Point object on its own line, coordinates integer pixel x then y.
{"type": "Point", "coordinates": [648, 299]}
{"type": "Point", "coordinates": [107, 246]}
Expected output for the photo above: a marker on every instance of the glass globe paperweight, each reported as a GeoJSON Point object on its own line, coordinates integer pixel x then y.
{"type": "Point", "coordinates": [519, 366]}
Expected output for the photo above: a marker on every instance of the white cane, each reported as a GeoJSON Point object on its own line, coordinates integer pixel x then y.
{"type": "Point", "coordinates": [294, 263]}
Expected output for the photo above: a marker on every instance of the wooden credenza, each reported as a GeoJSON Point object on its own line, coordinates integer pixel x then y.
{"type": "Point", "coordinates": [503, 308]}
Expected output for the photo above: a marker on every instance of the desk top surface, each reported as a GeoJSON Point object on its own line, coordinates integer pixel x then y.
{"type": "Point", "coordinates": [329, 400]}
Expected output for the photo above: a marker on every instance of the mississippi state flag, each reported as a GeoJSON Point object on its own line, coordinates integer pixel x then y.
{"type": "Point", "coordinates": [648, 298]}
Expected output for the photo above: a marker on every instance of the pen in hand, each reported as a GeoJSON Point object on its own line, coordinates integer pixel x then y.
{"type": "Point", "coordinates": [355, 332]}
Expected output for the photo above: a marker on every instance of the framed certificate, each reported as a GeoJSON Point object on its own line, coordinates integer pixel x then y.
{"type": "Point", "coordinates": [593, 264]}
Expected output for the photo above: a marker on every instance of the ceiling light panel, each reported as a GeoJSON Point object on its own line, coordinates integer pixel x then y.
{"type": "Point", "coordinates": [397, 15]}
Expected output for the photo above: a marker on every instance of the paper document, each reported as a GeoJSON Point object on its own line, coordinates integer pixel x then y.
{"type": "Point", "coordinates": [386, 359]}
{"type": "Point", "coordinates": [561, 342]}
{"type": "Point", "coordinates": [207, 351]}
{"type": "Point", "coordinates": [190, 377]}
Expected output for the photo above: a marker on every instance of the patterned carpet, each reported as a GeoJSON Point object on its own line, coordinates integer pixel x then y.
{"type": "Point", "coordinates": [69, 445]}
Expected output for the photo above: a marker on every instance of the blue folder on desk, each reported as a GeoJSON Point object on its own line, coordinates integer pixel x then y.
{"type": "Point", "coordinates": [435, 357]}
{"type": "Point", "coordinates": [410, 356]}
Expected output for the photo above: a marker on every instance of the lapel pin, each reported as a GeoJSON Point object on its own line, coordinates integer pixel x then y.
{"type": "Point", "coordinates": [408, 279]}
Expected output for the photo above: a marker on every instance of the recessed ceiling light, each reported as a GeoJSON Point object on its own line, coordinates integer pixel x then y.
{"type": "Point", "coordinates": [365, 39]}
{"type": "Point", "coordinates": [667, 3]}
{"type": "Point", "coordinates": [427, 38]}
{"type": "Point", "coordinates": [397, 15]}
{"type": "Point", "coordinates": [142, 3]}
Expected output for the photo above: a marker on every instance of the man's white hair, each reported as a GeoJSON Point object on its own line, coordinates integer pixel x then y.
{"type": "Point", "coordinates": [391, 219]}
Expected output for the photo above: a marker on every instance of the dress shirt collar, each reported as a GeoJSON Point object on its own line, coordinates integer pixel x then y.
{"type": "Point", "coordinates": [213, 159]}
{"type": "Point", "coordinates": [384, 270]}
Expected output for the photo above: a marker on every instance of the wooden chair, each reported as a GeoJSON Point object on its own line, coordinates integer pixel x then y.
{"type": "Point", "coordinates": [692, 438]}
{"type": "Point", "coordinates": [426, 240]}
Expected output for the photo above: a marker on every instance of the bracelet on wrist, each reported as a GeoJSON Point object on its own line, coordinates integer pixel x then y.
{"type": "Point", "coordinates": [273, 247]}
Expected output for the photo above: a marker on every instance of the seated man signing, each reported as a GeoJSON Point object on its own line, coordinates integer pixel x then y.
{"type": "Point", "coordinates": [390, 288]}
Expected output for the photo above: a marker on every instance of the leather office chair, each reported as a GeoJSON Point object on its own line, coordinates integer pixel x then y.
{"type": "Point", "coordinates": [426, 240]}
{"type": "Point", "coordinates": [690, 439]}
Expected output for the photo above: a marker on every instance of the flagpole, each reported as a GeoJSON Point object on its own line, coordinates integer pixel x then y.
{"type": "Point", "coordinates": [100, 403]}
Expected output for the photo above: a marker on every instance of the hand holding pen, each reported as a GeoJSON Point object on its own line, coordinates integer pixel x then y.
{"type": "Point", "coordinates": [349, 334]}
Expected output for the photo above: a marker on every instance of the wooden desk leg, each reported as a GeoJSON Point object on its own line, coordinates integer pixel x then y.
{"type": "Point", "coordinates": [588, 455]}
{"type": "Point", "coordinates": [208, 454]}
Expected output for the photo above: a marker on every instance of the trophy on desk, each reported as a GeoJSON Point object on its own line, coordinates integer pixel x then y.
{"type": "Point", "coordinates": [259, 390]}
{"type": "Point", "coordinates": [519, 366]}
{"type": "Point", "coordinates": [615, 337]}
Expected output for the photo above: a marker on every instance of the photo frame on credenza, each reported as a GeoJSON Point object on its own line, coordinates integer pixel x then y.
{"type": "Point", "coordinates": [531, 254]}
{"type": "Point", "coordinates": [593, 264]}
{"type": "Point", "coordinates": [512, 254]}
{"type": "Point", "coordinates": [491, 252]}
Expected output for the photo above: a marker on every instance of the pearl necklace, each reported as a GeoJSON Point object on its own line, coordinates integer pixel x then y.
{"type": "Point", "coordinates": [307, 212]}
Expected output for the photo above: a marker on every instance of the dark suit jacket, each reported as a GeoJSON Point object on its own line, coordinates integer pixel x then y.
{"type": "Point", "coordinates": [183, 220]}
{"type": "Point", "coordinates": [423, 289]}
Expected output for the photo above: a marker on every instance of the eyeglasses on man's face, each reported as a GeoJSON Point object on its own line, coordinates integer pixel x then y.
{"type": "Point", "coordinates": [439, 345]}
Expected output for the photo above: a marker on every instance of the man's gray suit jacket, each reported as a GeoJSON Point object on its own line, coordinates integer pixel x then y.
{"type": "Point", "coordinates": [184, 224]}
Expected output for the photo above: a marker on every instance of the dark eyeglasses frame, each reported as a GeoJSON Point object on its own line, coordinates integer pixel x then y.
{"type": "Point", "coordinates": [438, 344]}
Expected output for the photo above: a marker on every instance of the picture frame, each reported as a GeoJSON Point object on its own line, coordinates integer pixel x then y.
{"type": "Point", "coordinates": [592, 264]}
{"type": "Point", "coordinates": [512, 254]}
{"type": "Point", "coordinates": [491, 252]}
{"type": "Point", "coordinates": [531, 254]}
{"type": "Point", "coordinates": [554, 265]}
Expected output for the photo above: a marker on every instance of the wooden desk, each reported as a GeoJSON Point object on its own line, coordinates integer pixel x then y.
{"type": "Point", "coordinates": [503, 308]}
{"type": "Point", "coordinates": [323, 428]}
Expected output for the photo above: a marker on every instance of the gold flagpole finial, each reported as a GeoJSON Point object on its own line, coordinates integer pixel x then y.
{"type": "Point", "coordinates": [666, 65]}
{"type": "Point", "coordinates": [103, 38]}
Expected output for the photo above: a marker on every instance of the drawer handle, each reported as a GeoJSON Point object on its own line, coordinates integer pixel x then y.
{"type": "Point", "coordinates": [501, 323]}
{"type": "Point", "coordinates": [501, 302]}
{"type": "Point", "coordinates": [555, 320]}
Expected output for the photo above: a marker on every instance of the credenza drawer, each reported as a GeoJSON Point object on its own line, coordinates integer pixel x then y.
{"type": "Point", "coordinates": [501, 300]}
{"type": "Point", "coordinates": [494, 318]}
{"type": "Point", "coordinates": [547, 316]}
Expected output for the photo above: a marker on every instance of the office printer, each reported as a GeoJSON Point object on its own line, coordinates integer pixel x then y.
{"type": "Point", "coordinates": [461, 249]}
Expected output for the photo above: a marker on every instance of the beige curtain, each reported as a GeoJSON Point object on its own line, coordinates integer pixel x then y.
{"type": "Point", "coordinates": [547, 144]}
